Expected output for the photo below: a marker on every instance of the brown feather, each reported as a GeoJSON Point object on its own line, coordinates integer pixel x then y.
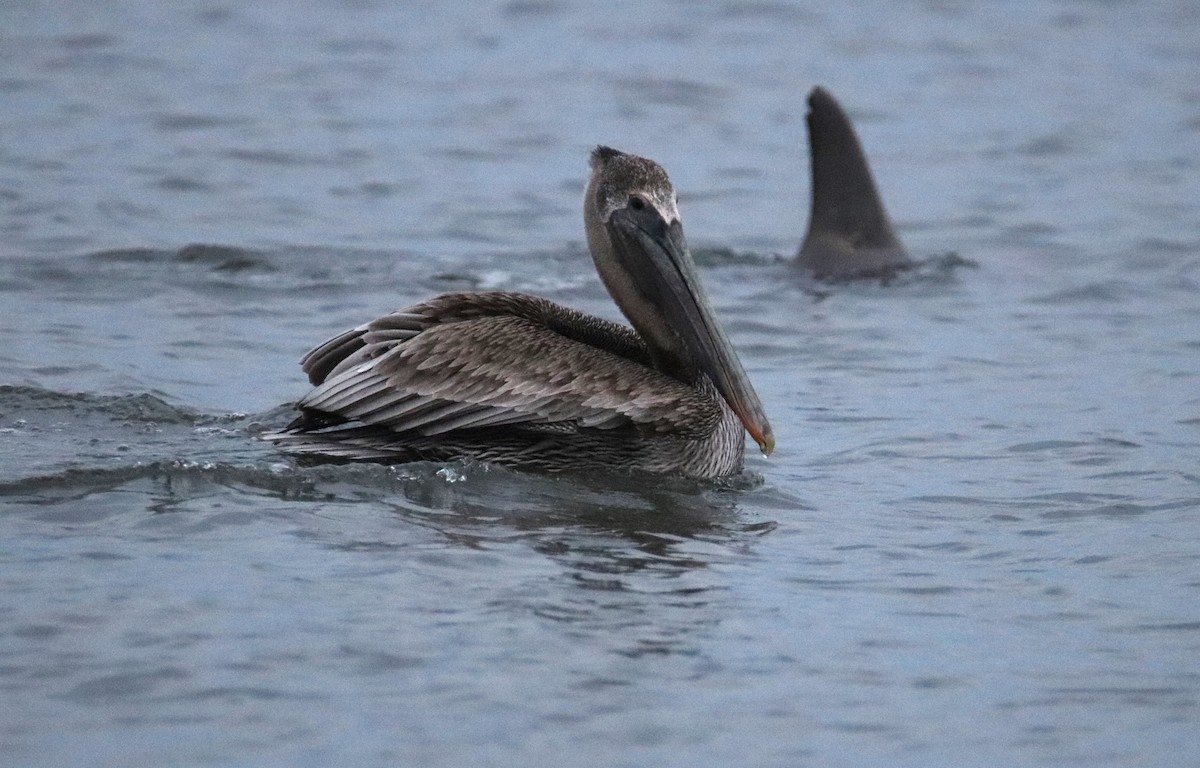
{"type": "Point", "coordinates": [492, 358]}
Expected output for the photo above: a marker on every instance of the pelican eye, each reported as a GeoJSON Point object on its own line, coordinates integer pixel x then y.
{"type": "Point", "coordinates": [637, 203]}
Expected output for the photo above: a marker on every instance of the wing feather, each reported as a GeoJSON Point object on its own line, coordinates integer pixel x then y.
{"type": "Point", "coordinates": [320, 361]}
{"type": "Point", "coordinates": [475, 360]}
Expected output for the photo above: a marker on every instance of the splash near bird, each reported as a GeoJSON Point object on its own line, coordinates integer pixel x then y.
{"type": "Point", "coordinates": [849, 233]}
{"type": "Point", "coordinates": [520, 381]}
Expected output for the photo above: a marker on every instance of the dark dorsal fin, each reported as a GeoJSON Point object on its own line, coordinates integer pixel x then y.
{"type": "Point", "coordinates": [849, 233]}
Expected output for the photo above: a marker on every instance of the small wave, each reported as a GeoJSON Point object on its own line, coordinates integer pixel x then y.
{"type": "Point", "coordinates": [670, 92]}
{"type": "Point", "coordinates": [928, 271]}
{"type": "Point", "coordinates": [946, 263]}
{"type": "Point", "coordinates": [221, 258]}
{"type": "Point", "coordinates": [469, 493]}
{"type": "Point", "coordinates": [172, 183]}
{"type": "Point", "coordinates": [278, 479]}
{"type": "Point", "coordinates": [717, 256]}
{"type": "Point", "coordinates": [18, 402]}
{"type": "Point", "coordinates": [932, 271]}
{"type": "Point", "coordinates": [1105, 292]}
{"type": "Point", "coordinates": [170, 122]}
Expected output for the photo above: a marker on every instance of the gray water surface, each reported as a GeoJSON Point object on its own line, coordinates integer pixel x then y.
{"type": "Point", "coordinates": [976, 544]}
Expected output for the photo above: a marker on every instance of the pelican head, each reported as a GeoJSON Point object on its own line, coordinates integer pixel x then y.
{"type": "Point", "coordinates": [636, 238]}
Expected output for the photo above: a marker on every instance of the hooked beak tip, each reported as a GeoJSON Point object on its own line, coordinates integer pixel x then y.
{"type": "Point", "coordinates": [762, 435]}
{"type": "Point", "coordinates": [766, 443]}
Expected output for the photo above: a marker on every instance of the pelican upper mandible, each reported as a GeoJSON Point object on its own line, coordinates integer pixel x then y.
{"type": "Point", "coordinates": [521, 381]}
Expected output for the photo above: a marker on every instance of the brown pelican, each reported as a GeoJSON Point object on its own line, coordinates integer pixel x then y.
{"type": "Point", "coordinates": [849, 233]}
{"type": "Point", "coordinates": [521, 381]}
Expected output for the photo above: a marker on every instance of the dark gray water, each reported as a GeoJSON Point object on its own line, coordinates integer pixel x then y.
{"type": "Point", "coordinates": [977, 543]}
